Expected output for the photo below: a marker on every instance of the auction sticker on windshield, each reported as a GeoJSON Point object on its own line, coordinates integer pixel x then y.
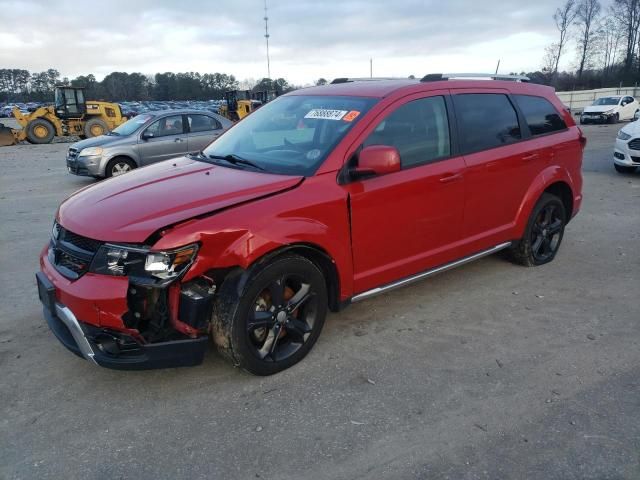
{"type": "Point", "coordinates": [324, 114]}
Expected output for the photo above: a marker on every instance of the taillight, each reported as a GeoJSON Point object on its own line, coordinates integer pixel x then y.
{"type": "Point", "coordinates": [583, 139]}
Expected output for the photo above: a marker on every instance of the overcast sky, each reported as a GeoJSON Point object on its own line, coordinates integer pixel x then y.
{"type": "Point", "coordinates": [309, 38]}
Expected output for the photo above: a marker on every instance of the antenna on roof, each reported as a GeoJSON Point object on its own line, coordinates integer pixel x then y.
{"type": "Point", "coordinates": [497, 66]}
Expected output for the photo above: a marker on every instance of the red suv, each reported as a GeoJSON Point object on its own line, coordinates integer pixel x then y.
{"type": "Point", "coordinates": [325, 196]}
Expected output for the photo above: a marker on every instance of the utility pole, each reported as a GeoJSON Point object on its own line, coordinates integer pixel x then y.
{"type": "Point", "coordinates": [266, 36]}
{"type": "Point", "coordinates": [371, 68]}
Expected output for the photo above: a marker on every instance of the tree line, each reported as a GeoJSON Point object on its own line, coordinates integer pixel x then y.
{"type": "Point", "coordinates": [20, 85]}
{"type": "Point", "coordinates": [605, 44]}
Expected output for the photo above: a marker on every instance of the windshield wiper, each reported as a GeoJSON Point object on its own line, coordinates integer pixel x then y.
{"type": "Point", "coordinates": [236, 160]}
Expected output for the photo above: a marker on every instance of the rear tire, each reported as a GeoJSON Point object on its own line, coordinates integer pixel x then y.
{"type": "Point", "coordinates": [544, 232]}
{"type": "Point", "coordinates": [623, 169]}
{"type": "Point", "coordinates": [40, 131]}
{"type": "Point", "coordinates": [95, 127]}
{"type": "Point", "coordinates": [254, 322]}
{"type": "Point", "coordinates": [119, 166]}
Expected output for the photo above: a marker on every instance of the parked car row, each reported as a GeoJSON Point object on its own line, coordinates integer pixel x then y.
{"type": "Point", "coordinates": [131, 109]}
{"type": "Point", "coordinates": [6, 109]}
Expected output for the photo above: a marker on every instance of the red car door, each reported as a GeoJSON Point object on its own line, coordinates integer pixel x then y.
{"type": "Point", "coordinates": [500, 165]}
{"type": "Point", "coordinates": [410, 220]}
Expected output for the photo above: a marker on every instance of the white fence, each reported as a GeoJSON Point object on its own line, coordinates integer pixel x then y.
{"type": "Point", "coordinates": [579, 99]}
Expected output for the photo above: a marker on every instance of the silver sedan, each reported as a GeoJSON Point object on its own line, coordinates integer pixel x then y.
{"type": "Point", "coordinates": [145, 139]}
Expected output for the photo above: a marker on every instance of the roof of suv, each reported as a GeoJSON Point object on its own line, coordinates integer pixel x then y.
{"type": "Point", "coordinates": [383, 88]}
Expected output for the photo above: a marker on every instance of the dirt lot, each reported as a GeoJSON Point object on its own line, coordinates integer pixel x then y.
{"type": "Point", "coordinates": [488, 371]}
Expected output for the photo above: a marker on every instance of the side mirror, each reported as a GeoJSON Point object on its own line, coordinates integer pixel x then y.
{"type": "Point", "coordinates": [376, 160]}
{"type": "Point", "coordinates": [146, 135]}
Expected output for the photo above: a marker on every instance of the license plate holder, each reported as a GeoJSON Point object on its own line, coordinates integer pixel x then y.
{"type": "Point", "coordinates": [46, 292]}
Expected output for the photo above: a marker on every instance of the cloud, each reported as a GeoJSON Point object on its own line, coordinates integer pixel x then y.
{"type": "Point", "coordinates": [309, 38]}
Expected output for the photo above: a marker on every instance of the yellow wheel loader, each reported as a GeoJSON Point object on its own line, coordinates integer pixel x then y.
{"type": "Point", "coordinates": [70, 115]}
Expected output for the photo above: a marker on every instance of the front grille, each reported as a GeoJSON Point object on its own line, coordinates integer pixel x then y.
{"type": "Point", "coordinates": [79, 241]}
{"type": "Point", "coordinates": [635, 159]}
{"type": "Point", "coordinates": [71, 254]}
{"type": "Point", "coordinates": [70, 262]}
{"type": "Point", "coordinates": [634, 144]}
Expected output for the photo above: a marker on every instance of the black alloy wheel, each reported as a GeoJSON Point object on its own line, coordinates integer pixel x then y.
{"type": "Point", "coordinates": [282, 318]}
{"type": "Point", "coordinates": [269, 318]}
{"type": "Point", "coordinates": [543, 234]}
{"type": "Point", "coordinates": [547, 233]}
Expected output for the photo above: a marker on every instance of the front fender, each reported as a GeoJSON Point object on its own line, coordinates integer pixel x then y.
{"type": "Point", "coordinates": [312, 215]}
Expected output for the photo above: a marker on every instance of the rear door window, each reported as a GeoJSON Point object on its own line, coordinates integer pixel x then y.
{"type": "Point", "coordinates": [540, 114]}
{"type": "Point", "coordinates": [485, 120]}
{"type": "Point", "coordinates": [202, 123]}
{"type": "Point", "coordinates": [418, 129]}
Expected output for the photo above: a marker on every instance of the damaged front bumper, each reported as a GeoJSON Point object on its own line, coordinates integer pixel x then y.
{"type": "Point", "coordinates": [110, 348]}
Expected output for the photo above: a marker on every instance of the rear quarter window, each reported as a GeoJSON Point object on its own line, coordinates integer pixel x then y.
{"type": "Point", "coordinates": [485, 120]}
{"type": "Point", "coordinates": [541, 116]}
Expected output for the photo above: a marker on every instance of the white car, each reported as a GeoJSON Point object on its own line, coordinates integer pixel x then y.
{"type": "Point", "coordinates": [626, 154]}
{"type": "Point", "coordinates": [610, 110]}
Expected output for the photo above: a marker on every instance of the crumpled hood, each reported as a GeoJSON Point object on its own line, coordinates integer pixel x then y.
{"type": "Point", "coordinates": [131, 207]}
{"type": "Point", "coordinates": [599, 108]}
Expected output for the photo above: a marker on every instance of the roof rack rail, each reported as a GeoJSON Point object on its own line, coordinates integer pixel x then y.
{"type": "Point", "coordinates": [434, 77]}
{"type": "Point", "coordinates": [364, 79]}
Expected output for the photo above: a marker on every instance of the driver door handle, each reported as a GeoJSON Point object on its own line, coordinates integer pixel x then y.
{"type": "Point", "coordinates": [450, 177]}
{"type": "Point", "coordinates": [533, 156]}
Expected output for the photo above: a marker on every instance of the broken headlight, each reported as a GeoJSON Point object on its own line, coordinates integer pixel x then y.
{"type": "Point", "coordinates": [126, 260]}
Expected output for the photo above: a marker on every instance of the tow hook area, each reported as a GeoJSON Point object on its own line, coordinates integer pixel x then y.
{"type": "Point", "coordinates": [170, 312]}
{"type": "Point", "coordinates": [196, 303]}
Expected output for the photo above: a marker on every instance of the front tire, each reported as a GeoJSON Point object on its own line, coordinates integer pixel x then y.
{"type": "Point", "coordinates": [623, 169]}
{"type": "Point", "coordinates": [40, 131]}
{"type": "Point", "coordinates": [271, 321]}
{"type": "Point", "coordinates": [118, 166]}
{"type": "Point", "coordinates": [543, 234]}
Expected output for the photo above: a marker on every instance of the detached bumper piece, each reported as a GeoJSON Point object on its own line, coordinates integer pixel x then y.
{"type": "Point", "coordinates": [112, 349]}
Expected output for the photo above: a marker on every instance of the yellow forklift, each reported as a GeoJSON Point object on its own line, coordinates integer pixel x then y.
{"type": "Point", "coordinates": [240, 103]}
{"type": "Point", "coordinates": [69, 115]}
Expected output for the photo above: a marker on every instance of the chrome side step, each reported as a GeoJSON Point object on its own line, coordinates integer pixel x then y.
{"type": "Point", "coordinates": [428, 273]}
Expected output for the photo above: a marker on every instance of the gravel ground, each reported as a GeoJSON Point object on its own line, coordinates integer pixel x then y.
{"type": "Point", "coordinates": [490, 371]}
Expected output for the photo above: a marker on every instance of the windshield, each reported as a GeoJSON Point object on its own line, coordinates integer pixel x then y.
{"type": "Point", "coordinates": [607, 101]}
{"type": "Point", "coordinates": [291, 135]}
{"type": "Point", "coordinates": [130, 126]}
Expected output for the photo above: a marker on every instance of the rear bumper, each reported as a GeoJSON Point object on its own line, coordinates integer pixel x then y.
{"type": "Point", "coordinates": [111, 348]}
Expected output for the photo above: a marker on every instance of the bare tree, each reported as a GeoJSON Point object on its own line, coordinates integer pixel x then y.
{"type": "Point", "coordinates": [610, 37]}
{"type": "Point", "coordinates": [564, 18]}
{"type": "Point", "coordinates": [587, 12]}
{"type": "Point", "coordinates": [628, 14]}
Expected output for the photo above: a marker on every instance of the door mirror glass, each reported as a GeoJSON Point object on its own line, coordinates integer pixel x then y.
{"type": "Point", "coordinates": [146, 135]}
{"type": "Point", "coordinates": [377, 160]}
